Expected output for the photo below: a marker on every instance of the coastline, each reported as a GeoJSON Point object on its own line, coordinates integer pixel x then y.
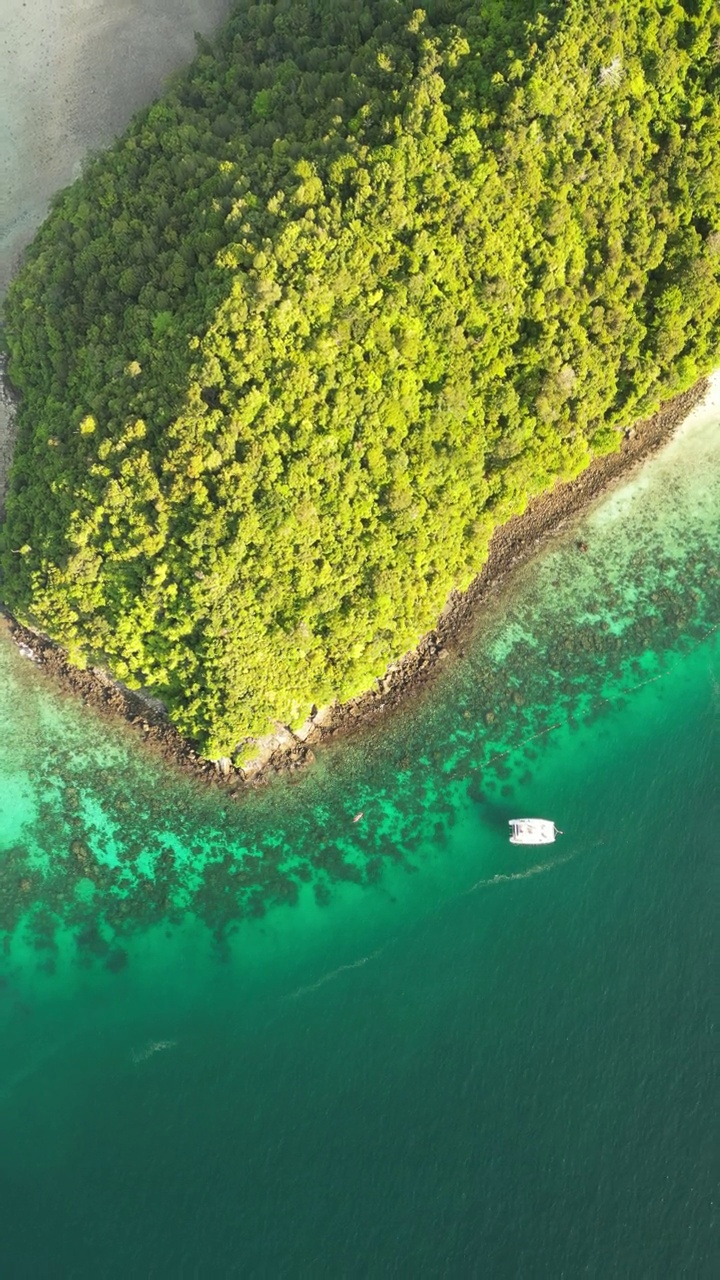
{"type": "Point", "coordinates": [285, 753]}
{"type": "Point", "coordinates": [8, 402]}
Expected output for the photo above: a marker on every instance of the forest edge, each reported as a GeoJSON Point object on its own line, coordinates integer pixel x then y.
{"type": "Point", "coordinates": [287, 753]}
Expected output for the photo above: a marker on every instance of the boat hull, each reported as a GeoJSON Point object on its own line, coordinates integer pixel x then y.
{"type": "Point", "coordinates": [532, 831]}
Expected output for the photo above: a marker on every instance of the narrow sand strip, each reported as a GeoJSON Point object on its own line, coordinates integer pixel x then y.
{"type": "Point", "coordinates": [6, 436]}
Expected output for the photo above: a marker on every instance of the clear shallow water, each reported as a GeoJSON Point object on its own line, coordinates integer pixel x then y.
{"type": "Point", "coordinates": [264, 1040]}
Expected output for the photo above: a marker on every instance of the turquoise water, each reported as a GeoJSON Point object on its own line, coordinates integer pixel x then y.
{"type": "Point", "coordinates": [263, 1040]}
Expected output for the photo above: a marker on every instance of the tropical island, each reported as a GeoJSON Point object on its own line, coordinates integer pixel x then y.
{"type": "Point", "coordinates": [366, 281]}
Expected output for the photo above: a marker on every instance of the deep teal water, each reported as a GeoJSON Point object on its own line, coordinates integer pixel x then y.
{"type": "Point", "coordinates": [263, 1040]}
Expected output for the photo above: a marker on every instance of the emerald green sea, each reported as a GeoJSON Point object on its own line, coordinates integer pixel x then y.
{"type": "Point", "coordinates": [263, 1040]}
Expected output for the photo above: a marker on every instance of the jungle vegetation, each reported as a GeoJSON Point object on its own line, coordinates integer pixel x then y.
{"type": "Point", "coordinates": [365, 279]}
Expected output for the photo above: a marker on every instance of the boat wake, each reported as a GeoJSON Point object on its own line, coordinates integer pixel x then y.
{"type": "Point", "coordinates": [334, 973]}
{"type": "Point", "coordinates": [507, 877]}
{"type": "Point", "coordinates": [154, 1046]}
{"type": "Point", "coordinates": [538, 869]}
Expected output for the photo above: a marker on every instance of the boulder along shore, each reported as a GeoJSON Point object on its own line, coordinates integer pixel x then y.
{"type": "Point", "coordinates": [287, 753]}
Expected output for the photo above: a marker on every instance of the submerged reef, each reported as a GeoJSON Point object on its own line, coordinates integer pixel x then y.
{"type": "Point", "coordinates": [117, 844]}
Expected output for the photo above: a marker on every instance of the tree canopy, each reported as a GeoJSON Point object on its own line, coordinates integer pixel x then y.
{"type": "Point", "coordinates": [361, 283]}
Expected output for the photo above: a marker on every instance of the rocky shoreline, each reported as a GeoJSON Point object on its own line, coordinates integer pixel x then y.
{"type": "Point", "coordinates": [8, 404]}
{"type": "Point", "coordinates": [286, 752]}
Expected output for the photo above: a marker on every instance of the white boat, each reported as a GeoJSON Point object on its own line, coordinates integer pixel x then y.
{"type": "Point", "coordinates": [533, 831]}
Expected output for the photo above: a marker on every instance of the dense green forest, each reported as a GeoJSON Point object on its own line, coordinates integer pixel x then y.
{"type": "Point", "coordinates": [363, 281]}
